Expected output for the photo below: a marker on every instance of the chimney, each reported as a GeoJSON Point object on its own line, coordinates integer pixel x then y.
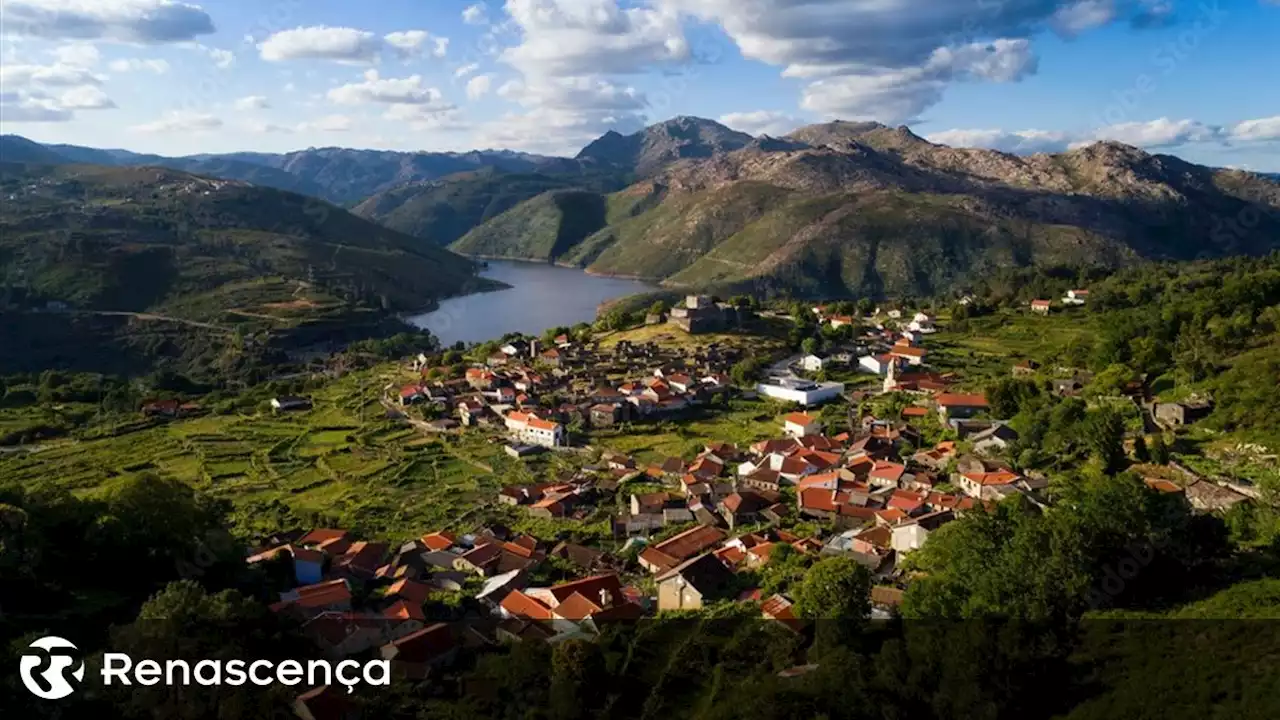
{"type": "Point", "coordinates": [533, 348]}
{"type": "Point", "coordinates": [606, 599]}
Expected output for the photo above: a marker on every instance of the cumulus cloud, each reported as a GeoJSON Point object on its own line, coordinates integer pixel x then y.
{"type": "Point", "coordinates": [137, 21]}
{"type": "Point", "coordinates": [185, 121]}
{"type": "Point", "coordinates": [425, 117]}
{"type": "Point", "coordinates": [466, 70]}
{"type": "Point", "coordinates": [411, 43]}
{"type": "Point", "coordinates": [328, 123]}
{"type": "Point", "coordinates": [377, 89]}
{"type": "Point", "coordinates": [17, 108]}
{"type": "Point", "coordinates": [892, 59]}
{"type": "Point", "coordinates": [266, 128]}
{"type": "Point", "coordinates": [157, 66]}
{"type": "Point", "coordinates": [478, 87]}
{"type": "Point", "coordinates": [321, 43]}
{"type": "Point", "coordinates": [252, 102]}
{"type": "Point", "coordinates": [77, 54]}
{"type": "Point", "coordinates": [57, 75]}
{"type": "Point", "coordinates": [561, 115]}
{"type": "Point", "coordinates": [85, 97]}
{"type": "Point", "coordinates": [222, 59]}
{"type": "Point", "coordinates": [476, 14]}
{"type": "Point", "coordinates": [349, 45]}
{"type": "Point", "coordinates": [1260, 130]}
{"type": "Point", "coordinates": [590, 37]}
{"type": "Point", "coordinates": [1161, 133]}
{"type": "Point", "coordinates": [762, 122]}
{"type": "Point", "coordinates": [1018, 141]}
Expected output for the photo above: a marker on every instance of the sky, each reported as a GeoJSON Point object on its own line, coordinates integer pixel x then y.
{"type": "Point", "coordinates": [1195, 78]}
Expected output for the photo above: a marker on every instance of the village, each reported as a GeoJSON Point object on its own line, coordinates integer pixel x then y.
{"type": "Point", "coordinates": [687, 532]}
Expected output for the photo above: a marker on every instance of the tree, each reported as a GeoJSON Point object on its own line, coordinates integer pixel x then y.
{"type": "Point", "coordinates": [835, 588]}
{"type": "Point", "coordinates": [745, 371]}
{"type": "Point", "coordinates": [1140, 452]}
{"type": "Point", "coordinates": [1103, 434]}
{"type": "Point", "coordinates": [659, 307]}
{"type": "Point", "coordinates": [809, 346]}
{"type": "Point", "coordinates": [1160, 451]}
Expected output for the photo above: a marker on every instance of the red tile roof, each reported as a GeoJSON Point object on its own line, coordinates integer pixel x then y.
{"type": "Point", "coordinates": [801, 419]}
{"type": "Point", "coordinates": [439, 540]}
{"type": "Point", "coordinates": [402, 610]}
{"type": "Point", "coordinates": [520, 605]}
{"type": "Point", "coordinates": [954, 400]}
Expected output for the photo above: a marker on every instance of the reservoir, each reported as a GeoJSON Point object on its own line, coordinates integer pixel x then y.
{"type": "Point", "coordinates": [541, 296]}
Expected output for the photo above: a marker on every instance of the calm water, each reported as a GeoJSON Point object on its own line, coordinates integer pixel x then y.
{"type": "Point", "coordinates": [541, 296]}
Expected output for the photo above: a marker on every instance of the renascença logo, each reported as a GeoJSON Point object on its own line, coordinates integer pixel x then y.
{"type": "Point", "coordinates": [45, 670]}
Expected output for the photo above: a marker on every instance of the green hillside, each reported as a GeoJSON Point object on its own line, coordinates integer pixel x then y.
{"type": "Point", "coordinates": [542, 228]}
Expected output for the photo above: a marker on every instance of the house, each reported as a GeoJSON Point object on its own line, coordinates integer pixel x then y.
{"type": "Point", "coordinates": [986, 485]}
{"type": "Point", "coordinates": [1025, 368]}
{"type": "Point", "coordinates": [877, 364]}
{"type": "Point", "coordinates": [649, 503]}
{"type": "Point", "coordinates": [529, 428]}
{"type": "Point", "coordinates": [744, 507]}
{"type": "Point", "coordinates": [671, 552]}
{"type": "Point", "coordinates": [762, 479]}
{"type": "Point", "coordinates": [908, 354]}
{"type": "Point", "coordinates": [1182, 413]}
{"type": "Point", "coordinates": [605, 415]}
{"type": "Point", "coordinates": [801, 392]}
{"type": "Point", "coordinates": [1209, 497]}
{"type": "Point", "coordinates": [1076, 297]}
{"type": "Point", "coordinates": [309, 600]}
{"type": "Point", "coordinates": [994, 440]}
{"type": "Point", "coordinates": [480, 560]}
{"type": "Point", "coordinates": [814, 363]}
{"type": "Point", "coordinates": [287, 402]}
{"type": "Point", "coordinates": [801, 424]}
{"type": "Point", "coordinates": [960, 406]}
{"type": "Point", "coordinates": [1041, 306]}
{"type": "Point", "coordinates": [911, 535]}
{"type": "Point", "coordinates": [694, 583]}
{"type": "Point", "coordinates": [583, 557]}
{"type": "Point", "coordinates": [415, 655]}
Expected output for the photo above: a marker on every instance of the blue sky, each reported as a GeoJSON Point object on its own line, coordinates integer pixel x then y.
{"type": "Point", "coordinates": [1196, 78]}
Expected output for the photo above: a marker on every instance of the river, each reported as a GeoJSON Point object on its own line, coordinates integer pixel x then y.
{"type": "Point", "coordinates": [541, 296]}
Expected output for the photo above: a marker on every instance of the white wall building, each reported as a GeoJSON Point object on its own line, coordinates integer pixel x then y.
{"type": "Point", "coordinates": [532, 430]}
{"type": "Point", "coordinates": [801, 392]}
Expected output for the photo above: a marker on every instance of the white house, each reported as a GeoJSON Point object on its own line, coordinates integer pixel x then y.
{"type": "Point", "coordinates": [802, 392]}
{"type": "Point", "coordinates": [813, 363]}
{"type": "Point", "coordinates": [912, 534]}
{"type": "Point", "coordinates": [923, 324]}
{"type": "Point", "coordinates": [1075, 297]}
{"type": "Point", "coordinates": [529, 428]}
{"type": "Point", "coordinates": [801, 424]}
{"type": "Point", "coordinates": [878, 364]}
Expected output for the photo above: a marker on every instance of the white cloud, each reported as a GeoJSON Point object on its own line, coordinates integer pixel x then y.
{"type": "Point", "coordinates": [222, 59]}
{"type": "Point", "coordinates": [1262, 129]}
{"type": "Point", "coordinates": [157, 66]}
{"type": "Point", "coordinates": [410, 43]}
{"type": "Point", "coordinates": [478, 87]}
{"type": "Point", "coordinates": [138, 21]}
{"type": "Point", "coordinates": [1152, 134]}
{"type": "Point", "coordinates": [424, 117]}
{"type": "Point", "coordinates": [762, 122]}
{"type": "Point", "coordinates": [590, 37]}
{"type": "Point", "coordinates": [328, 123]}
{"type": "Point", "coordinates": [85, 97]}
{"type": "Point", "coordinates": [466, 70]}
{"type": "Point", "coordinates": [266, 128]}
{"type": "Point", "coordinates": [1020, 141]}
{"type": "Point", "coordinates": [321, 42]}
{"type": "Point", "coordinates": [15, 108]}
{"type": "Point", "coordinates": [58, 75]}
{"type": "Point", "coordinates": [180, 121]}
{"type": "Point", "coordinates": [476, 14]}
{"type": "Point", "coordinates": [890, 60]}
{"type": "Point", "coordinates": [1161, 133]}
{"type": "Point", "coordinates": [376, 89]}
{"type": "Point", "coordinates": [563, 114]}
{"type": "Point", "coordinates": [252, 102]}
{"type": "Point", "coordinates": [77, 54]}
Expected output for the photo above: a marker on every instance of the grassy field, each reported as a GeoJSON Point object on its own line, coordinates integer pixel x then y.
{"type": "Point", "coordinates": [342, 463]}
{"type": "Point", "coordinates": [742, 424]}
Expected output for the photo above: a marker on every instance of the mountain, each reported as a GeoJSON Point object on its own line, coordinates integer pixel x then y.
{"type": "Point", "coordinates": [645, 153]}
{"type": "Point", "coordinates": [444, 210]}
{"type": "Point", "coordinates": [339, 175]}
{"type": "Point", "coordinates": [137, 239]}
{"type": "Point", "coordinates": [15, 148]}
{"type": "Point", "coordinates": [131, 270]}
{"type": "Point", "coordinates": [862, 208]}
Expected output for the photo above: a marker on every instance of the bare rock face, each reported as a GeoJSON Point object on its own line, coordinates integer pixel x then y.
{"type": "Point", "coordinates": [648, 151]}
